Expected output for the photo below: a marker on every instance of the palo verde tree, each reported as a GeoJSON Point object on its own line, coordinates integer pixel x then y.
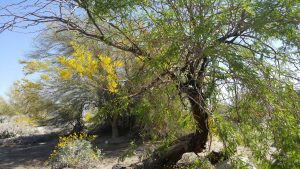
{"type": "Point", "coordinates": [78, 79]}
{"type": "Point", "coordinates": [4, 107]}
{"type": "Point", "coordinates": [25, 99]}
{"type": "Point", "coordinates": [71, 94]}
{"type": "Point", "coordinates": [202, 46]}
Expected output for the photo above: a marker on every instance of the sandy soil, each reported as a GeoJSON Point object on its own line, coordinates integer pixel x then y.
{"type": "Point", "coordinates": [20, 153]}
{"type": "Point", "coordinates": [30, 151]}
{"type": "Point", "coordinates": [21, 156]}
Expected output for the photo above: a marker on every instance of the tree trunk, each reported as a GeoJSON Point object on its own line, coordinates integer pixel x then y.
{"type": "Point", "coordinates": [79, 126]}
{"type": "Point", "coordinates": [194, 142]}
{"type": "Point", "coordinates": [114, 127]}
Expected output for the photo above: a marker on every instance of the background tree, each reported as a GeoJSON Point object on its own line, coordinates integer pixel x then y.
{"type": "Point", "coordinates": [67, 80]}
{"type": "Point", "coordinates": [4, 107]}
{"type": "Point", "coordinates": [25, 99]}
{"type": "Point", "coordinates": [77, 79]}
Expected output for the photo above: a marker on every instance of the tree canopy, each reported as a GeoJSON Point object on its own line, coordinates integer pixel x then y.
{"type": "Point", "coordinates": [240, 53]}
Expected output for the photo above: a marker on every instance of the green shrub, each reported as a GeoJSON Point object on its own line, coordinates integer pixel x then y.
{"type": "Point", "coordinates": [2, 119]}
{"type": "Point", "coordinates": [203, 164]}
{"type": "Point", "coordinates": [7, 134]}
{"type": "Point", "coordinates": [74, 151]}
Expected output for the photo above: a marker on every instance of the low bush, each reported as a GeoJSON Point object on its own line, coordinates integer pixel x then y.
{"type": "Point", "coordinates": [9, 127]}
{"type": "Point", "coordinates": [75, 151]}
{"type": "Point", "coordinates": [25, 120]}
{"type": "Point", "coordinates": [2, 119]}
{"type": "Point", "coordinates": [6, 134]}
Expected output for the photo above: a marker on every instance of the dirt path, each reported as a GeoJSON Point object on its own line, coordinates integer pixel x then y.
{"type": "Point", "coordinates": [20, 153]}
{"type": "Point", "coordinates": [31, 152]}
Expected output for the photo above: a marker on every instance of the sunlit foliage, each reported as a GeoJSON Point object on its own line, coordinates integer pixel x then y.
{"type": "Point", "coordinates": [75, 151]}
{"type": "Point", "coordinates": [4, 107]}
{"type": "Point", "coordinates": [83, 63]}
{"type": "Point", "coordinates": [25, 99]}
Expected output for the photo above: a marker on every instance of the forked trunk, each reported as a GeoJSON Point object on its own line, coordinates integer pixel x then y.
{"type": "Point", "coordinates": [79, 126]}
{"type": "Point", "coordinates": [194, 142]}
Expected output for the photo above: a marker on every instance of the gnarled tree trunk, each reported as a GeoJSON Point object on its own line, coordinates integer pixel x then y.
{"type": "Point", "coordinates": [194, 142]}
{"type": "Point", "coordinates": [79, 125]}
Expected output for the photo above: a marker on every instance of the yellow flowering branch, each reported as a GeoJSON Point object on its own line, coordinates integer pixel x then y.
{"type": "Point", "coordinates": [83, 63]}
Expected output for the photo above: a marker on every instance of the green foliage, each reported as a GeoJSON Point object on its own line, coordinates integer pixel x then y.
{"type": "Point", "coordinates": [238, 164]}
{"type": "Point", "coordinates": [25, 99]}
{"type": "Point", "coordinates": [228, 133]}
{"type": "Point", "coordinates": [162, 115]}
{"type": "Point", "coordinates": [269, 127]}
{"type": "Point", "coordinates": [5, 108]}
{"type": "Point", "coordinates": [203, 164]}
{"type": "Point", "coordinates": [113, 105]}
{"type": "Point", "coordinates": [6, 134]}
{"type": "Point", "coordinates": [130, 151]}
{"type": "Point", "coordinates": [2, 119]}
{"type": "Point", "coordinates": [106, 7]}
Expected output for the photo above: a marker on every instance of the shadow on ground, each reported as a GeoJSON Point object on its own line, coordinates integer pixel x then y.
{"type": "Point", "coordinates": [33, 151]}
{"type": "Point", "coordinates": [29, 151]}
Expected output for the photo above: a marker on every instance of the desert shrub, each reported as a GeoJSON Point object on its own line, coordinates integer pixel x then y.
{"type": "Point", "coordinates": [240, 164]}
{"type": "Point", "coordinates": [129, 152]}
{"type": "Point", "coordinates": [6, 134]}
{"type": "Point", "coordinates": [25, 120]}
{"type": "Point", "coordinates": [74, 151]}
{"type": "Point", "coordinates": [2, 119]}
{"type": "Point", "coordinates": [10, 125]}
{"type": "Point", "coordinates": [203, 164]}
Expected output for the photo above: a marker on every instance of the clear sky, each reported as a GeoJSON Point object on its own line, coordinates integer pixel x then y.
{"type": "Point", "coordinates": [13, 47]}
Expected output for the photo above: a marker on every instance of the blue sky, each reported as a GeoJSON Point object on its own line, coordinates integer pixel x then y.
{"type": "Point", "coordinates": [13, 47]}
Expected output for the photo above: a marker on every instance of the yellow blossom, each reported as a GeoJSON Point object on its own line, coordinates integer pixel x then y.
{"type": "Point", "coordinates": [65, 74]}
{"type": "Point", "coordinates": [84, 64]}
{"type": "Point", "coordinates": [45, 77]}
{"type": "Point", "coordinates": [33, 66]}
